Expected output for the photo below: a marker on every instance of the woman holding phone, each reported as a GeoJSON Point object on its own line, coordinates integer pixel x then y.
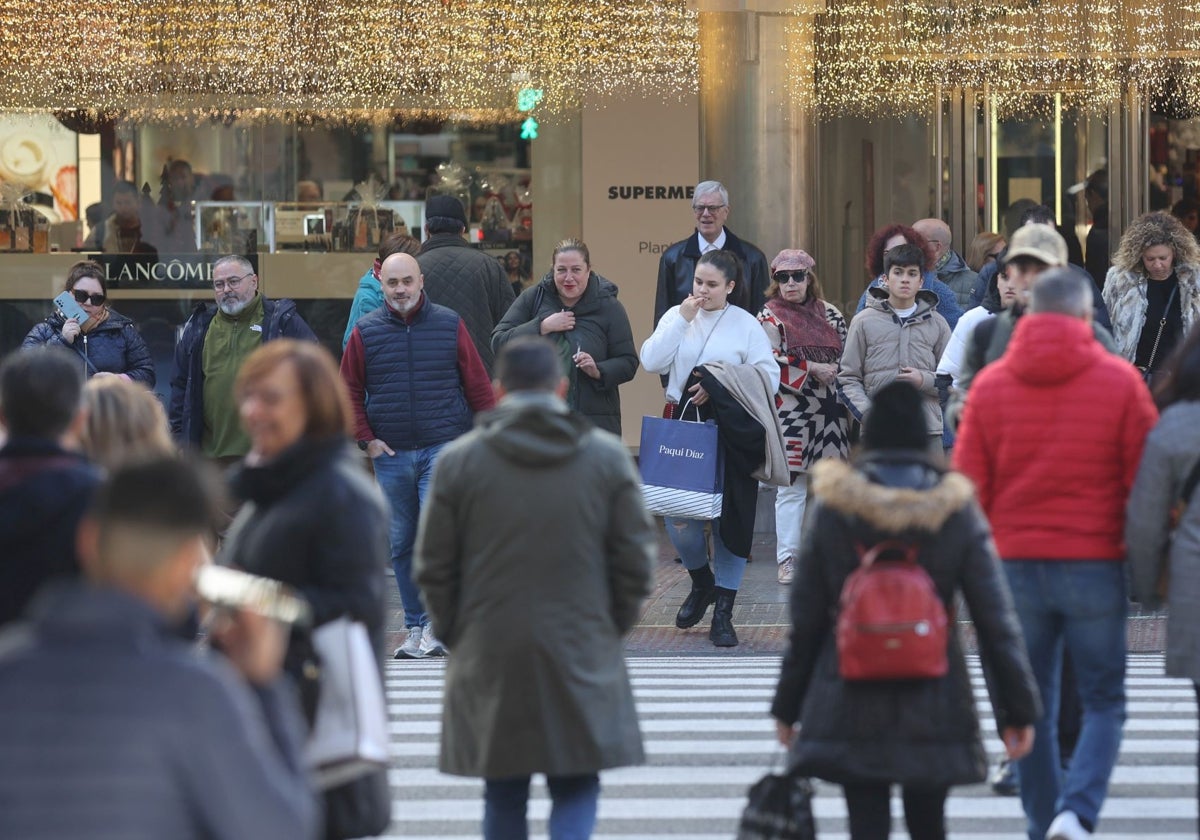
{"type": "Point", "coordinates": [107, 342]}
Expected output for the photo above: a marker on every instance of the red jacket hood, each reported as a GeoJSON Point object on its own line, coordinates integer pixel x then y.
{"type": "Point", "coordinates": [1049, 349]}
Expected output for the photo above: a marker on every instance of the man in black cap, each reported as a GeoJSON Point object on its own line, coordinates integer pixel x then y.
{"type": "Point", "coordinates": [460, 277]}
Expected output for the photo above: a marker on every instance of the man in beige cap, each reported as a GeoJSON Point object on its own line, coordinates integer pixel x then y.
{"type": "Point", "coordinates": [1034, 249]}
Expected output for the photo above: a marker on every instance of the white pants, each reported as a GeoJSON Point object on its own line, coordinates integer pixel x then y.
{"type": "Point", "coordinates": [789, 517]}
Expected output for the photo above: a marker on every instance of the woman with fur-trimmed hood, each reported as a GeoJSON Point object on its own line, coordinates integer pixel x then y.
{"type": "Point", "coordinates": [1153, 290]}
{"type": "Point", "coordinates": [921, 734]}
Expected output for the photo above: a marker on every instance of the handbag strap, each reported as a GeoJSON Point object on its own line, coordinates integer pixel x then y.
{"type": "Point", "coordinates": [1162, 325]}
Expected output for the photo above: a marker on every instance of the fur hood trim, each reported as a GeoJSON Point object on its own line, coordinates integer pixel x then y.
{"type": "Point", "coordinates": [890, 509]}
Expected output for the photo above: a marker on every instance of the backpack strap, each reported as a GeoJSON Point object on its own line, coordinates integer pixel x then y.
{"type": "Point", "coordinates": [888, 550]}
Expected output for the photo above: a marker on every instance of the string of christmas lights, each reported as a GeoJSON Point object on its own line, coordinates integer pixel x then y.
{"type": "Point", "coordinates": [880, 58]}
{"type": "Point", "coordinates": [194, 59]}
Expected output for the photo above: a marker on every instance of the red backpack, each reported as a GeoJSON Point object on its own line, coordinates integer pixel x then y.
{"type": "Point", "coordinates": [892, 625]}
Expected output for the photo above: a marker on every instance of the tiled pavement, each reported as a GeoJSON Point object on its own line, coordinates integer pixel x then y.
{"type": "Point", "coordinates": [760, 613]}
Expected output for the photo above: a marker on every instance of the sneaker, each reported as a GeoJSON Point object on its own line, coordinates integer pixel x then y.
{"type": "Point", "coordinates": [787, 569]}
{"type": "Point", "coordinates": [430, 644]}
{"type": "Point", "coordinates": [1004, 779]}
{"type": "Point", "coordinates": [1066, 826]}
{"type": "Point", "coordinates": [411, 649]}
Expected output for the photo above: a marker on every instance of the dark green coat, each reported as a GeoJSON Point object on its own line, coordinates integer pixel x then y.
{"type": "Point", "coordinates": [601, 329]}
{"type": "Point", "coordinates": [533, 556]}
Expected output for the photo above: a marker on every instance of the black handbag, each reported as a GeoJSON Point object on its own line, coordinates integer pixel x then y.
{"type": "Point", "coordinates": [361, 808]}
{"type": "Point", "coordinates": [779, 808]}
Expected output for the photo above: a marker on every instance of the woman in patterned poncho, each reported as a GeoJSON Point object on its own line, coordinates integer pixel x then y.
{"type": "Point", "coordinates": [806, 334]}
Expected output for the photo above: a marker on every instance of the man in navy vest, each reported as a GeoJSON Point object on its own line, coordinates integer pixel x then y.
{"type": "Point", "coordinates": [416, 382]}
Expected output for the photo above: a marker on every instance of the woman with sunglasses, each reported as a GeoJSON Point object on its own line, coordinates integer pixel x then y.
{"type": "Point", "coordinates": [807, 334]}
{"type": "Point", "coordinates": [107, 342]}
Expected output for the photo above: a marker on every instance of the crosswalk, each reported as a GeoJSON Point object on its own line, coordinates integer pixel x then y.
{"type": "Point", "coordinates": [708, 738]}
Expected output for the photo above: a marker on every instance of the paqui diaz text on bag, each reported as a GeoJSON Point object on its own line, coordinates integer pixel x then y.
{"type": "Point", "coordinates": [682, 452]}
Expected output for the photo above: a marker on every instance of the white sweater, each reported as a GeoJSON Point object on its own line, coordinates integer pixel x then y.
{"type": "Point", "coordinates": [736, 338]}
{"type": "Point", "coordinates": [956, 349]}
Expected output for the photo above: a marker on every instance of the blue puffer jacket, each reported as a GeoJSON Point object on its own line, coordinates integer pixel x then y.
{"type": "Point", "coordinates": [113, 347]}
{"type": "Point", "coordinates": [412, 376]}
{"type": "Point", "coordinates": [367, 299]}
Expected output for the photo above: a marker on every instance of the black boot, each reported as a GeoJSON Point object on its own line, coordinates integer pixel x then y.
{"type": "Point", "coordinates": [695, 605]}
{"type": "Point", "coordinates": [722, 633]}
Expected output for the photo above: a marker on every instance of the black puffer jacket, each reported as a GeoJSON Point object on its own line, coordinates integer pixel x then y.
{"type": "Point", "coordinates": [113, 347]}
{"type": "Point", "coordinates": [601, 329]}
{"type": "Point", "coordinates": [314, 520]}
{"type": "Point", "coordinates": [920, 732]}
{"type": "Point", "coordinates": [471, 283]}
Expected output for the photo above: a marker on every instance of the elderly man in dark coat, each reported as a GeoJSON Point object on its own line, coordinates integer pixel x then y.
{"type": "Point", "coordinates": [533, 600]}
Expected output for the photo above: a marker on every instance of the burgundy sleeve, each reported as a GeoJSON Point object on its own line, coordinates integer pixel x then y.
{"type": "Point", "coordinates": [354, 373]}
{"type": "Point", "coordinates": [475, 382]}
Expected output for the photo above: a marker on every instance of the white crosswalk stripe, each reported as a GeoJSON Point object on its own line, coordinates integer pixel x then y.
{"type": "Point", "coordinates": [708, 738]}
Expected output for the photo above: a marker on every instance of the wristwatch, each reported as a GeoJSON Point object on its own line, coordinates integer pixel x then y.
{"type": "Point", "coordinates": [363, 444]}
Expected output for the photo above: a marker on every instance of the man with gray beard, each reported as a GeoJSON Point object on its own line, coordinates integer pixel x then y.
{"type": "Point", "coordinates": [214, 342]}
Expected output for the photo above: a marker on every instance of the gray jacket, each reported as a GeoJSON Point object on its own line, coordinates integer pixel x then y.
{"type": "Point", "coordinates": [533, 601]}
{"type": "Point", "coordinates": [1171, 451]}
{"type": "Point", "coordinates": [111, 727]}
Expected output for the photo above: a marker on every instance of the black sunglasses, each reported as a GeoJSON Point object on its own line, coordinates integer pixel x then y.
{"type": "Point", "coordinates": [83, 297]}
{"type": "Point", "coordinates": [782, 277]}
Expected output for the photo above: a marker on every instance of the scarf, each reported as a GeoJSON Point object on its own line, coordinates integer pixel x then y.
{"type": "Point", "coordinates": [807, 333]}
{"type": "Point", "coordinates": [96, 320]}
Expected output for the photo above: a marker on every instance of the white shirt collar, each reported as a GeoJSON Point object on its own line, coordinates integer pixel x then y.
{"type": "Point", "coordinates": [706, 246]}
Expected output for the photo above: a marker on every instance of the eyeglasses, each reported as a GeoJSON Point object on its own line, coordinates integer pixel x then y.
{"type": "Point", "coordinates": [701, 209]}
{"type": "Point", "coordinates": [83, 297]}
{"type": "Point", "coordinates": [783, 278]}
{"type": "Point", "coordinates": [232, 283]}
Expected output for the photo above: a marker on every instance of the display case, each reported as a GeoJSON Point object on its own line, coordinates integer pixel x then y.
{"type": "Point", "coordinates": [234, 227]}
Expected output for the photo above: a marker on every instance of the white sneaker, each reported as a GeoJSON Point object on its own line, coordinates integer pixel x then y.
{"type": "Point", "coordinates": [430, 645]}
{"type": "Point", "coordinates": [1066, 826]}
{"type": "Point", "coordinates": [787, 569]}
{"type": "Point", "coordinates": [412, 647]}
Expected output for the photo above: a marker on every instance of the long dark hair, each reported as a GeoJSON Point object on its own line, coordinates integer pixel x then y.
{"type": "Point", "coordinates": [1180, 380]}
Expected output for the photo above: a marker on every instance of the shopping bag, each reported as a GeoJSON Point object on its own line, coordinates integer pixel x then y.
{"type": "Point", "coordinates": [349, 737]}
{"type": "Point", "coordinates": [683, 472]}
{"type": "Point", "coordinates": [779, 808]}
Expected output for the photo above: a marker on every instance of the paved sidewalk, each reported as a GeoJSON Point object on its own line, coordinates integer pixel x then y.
{"type": "Point", "coordinates": [760, 614]}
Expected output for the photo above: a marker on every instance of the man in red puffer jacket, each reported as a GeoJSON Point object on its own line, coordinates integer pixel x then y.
{"type": "Point", "coordinates": [1052, 436]}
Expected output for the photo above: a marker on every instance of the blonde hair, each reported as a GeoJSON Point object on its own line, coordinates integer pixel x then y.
{"type": "Point", "coordinates": [1152, 229]}
{"type": "Point", "coordinates": [125, 423]}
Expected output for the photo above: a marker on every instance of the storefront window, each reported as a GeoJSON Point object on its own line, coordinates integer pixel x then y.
{"type": "Point", "coordinates": [309, 203]}
{"type": "Point", "coordinates": [1175, 166]}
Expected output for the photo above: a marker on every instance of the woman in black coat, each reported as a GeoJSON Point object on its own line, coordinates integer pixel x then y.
{"type": "Point", "coordinates": [311, 515]}
{"type": "Point", "coordinates": [579, 311]}
{"type": "Point", "coordinates": [107, 342]}
{"type": "Point", "coordinates": [922, 734]}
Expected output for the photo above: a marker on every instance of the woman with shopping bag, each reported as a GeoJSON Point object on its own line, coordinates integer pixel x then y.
{"type": "Point", "coordinates": [719, 366]}
{"type": "Point", "coordinates": [314, 520]}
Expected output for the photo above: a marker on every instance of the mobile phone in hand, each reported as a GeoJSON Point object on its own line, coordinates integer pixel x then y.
{"type": "Point", "coordinates": [69, 308]}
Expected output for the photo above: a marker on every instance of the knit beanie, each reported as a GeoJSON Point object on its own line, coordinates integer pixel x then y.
{"type": "Point", "coordinates": [896, 419]}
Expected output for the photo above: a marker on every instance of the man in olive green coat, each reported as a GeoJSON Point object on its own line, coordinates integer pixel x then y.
{"type": "Point", "coordinates": [533, 556]}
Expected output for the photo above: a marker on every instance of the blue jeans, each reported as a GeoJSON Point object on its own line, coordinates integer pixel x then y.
{"type": "Point", "coordinates": [574, 800]}
{"type": "Point", "coordinates": [687, 535]}
{"type": "Point", "coordinates": [1082, 605]}
{"type": "Point", "coordinates": [404, 479]}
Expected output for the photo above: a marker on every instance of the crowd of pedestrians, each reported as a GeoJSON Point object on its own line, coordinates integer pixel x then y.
{"type": "Point", "coordinates": [1005, 408]}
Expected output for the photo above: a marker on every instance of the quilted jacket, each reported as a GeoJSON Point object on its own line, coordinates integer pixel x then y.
{"type": "Point", "coordinates": [1052, 436]}
{"type": "Point", "coordinates": [880, 343]}
{"type": "Point", "coordinates": [114, 347]}
{"type": "Point", "coordinates": [471, 283]}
